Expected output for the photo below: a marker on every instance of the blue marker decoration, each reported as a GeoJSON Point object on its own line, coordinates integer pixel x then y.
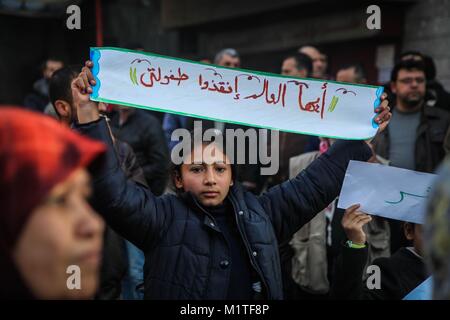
{"type": "Point", "coordinates": [95, 56]}
{"type": "Point", "coordinates": [376, 103]}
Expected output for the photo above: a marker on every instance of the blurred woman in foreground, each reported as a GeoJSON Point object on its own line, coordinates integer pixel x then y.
{"type": "Point", "coordinates": [49, 235]}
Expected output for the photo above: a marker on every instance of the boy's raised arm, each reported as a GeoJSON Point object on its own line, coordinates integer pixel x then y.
{"type": "Point", "coordinates": [129, 208]}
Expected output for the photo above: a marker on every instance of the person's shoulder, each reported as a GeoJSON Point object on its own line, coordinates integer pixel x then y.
{"type": "Point", "coordinates": [438, 113]}
{"type": "Point", "coordinates": [403, 257]}
{"type": "Point", "coordinates": [307, 156]}
{"type": "Point", "coordinates": [385, 262]}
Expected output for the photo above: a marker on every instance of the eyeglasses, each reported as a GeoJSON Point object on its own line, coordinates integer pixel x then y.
{"type": "Point", "coordinates": [411, 80]}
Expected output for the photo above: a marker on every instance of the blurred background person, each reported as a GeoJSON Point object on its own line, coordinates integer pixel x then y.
{"type": "Point", "coordinates": [38, 99]}
{"type": "Point", "coordinates": [435, 95]}
{"type": "Point", "coordinates": [415, 137]}
{"type": "Point", "coordinates": [437, 234]}
{"type": "Point", "coordinates": [319, 60]}
{"type": "Point", "coordinates": [319, 71]}
{"type": "Point", "coordinates": [352, 73]}
{"type": "Point", "coordinates": [46, 222]}
{"type": "Point", "coordinates": [291, 144]}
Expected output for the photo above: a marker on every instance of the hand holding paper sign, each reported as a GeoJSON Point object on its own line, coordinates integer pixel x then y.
{"type": "Point", "coordinates": [353, 222]}
{"type": "Point", "coordinates": [384, 112]}
{"type": "Point", "coordinates": [87, 110]}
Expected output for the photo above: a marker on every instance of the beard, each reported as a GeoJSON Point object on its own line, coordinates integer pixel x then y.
{"type": "Point", "coordinates": [412, 100]}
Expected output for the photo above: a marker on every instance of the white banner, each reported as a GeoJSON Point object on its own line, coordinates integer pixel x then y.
{"type": "Point", "coordinates": [385, 191]}
{"type": "Point", "coordinates": [257, 99]}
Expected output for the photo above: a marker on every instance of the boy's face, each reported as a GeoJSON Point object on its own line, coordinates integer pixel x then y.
{"type": "Point", "coordinates": [209, 178]}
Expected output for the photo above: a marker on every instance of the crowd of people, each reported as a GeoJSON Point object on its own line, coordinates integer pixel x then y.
{"type": "Point", "coordinates": [92, 185]}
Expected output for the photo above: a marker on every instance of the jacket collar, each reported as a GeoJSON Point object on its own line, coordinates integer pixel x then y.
{"type": "Point", "coordinates": [235, 196]}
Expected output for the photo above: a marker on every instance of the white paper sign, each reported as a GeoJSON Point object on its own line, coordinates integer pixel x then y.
{"type": "Point", "coordinates": [309, 106]}
{"type": "Point", "coordinates": [386, 191]}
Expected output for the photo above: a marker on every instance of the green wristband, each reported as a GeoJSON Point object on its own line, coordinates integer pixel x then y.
{"type": "Point", "coordinates": [352, 245]}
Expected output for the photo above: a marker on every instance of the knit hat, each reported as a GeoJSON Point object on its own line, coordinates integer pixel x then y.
{"type": "Point", "coordinates": [36, 153]}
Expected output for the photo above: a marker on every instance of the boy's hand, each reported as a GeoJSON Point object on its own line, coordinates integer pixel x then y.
{"type": "Point", "coordinates": [353, 222]}
{"type": "Point", "coordinates": [384, 115]}
{"type": "Point", "coordinates": [87, 110]}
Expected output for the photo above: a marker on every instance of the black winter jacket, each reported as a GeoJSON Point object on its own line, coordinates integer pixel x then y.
{"type": "Point", "coordinates": [182, 242]}
{"type": "Point", "coordinates": [114, 260]}
{"type": "Point", "coordinates": [430, 136]}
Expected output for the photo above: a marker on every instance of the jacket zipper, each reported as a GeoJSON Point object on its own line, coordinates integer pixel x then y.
{"type": "Point", "coordinates": [214, 221]}
{"type": "Point", "coordinates": [244, 238]}
{"type": "Point", "coordinates": [249, 251]}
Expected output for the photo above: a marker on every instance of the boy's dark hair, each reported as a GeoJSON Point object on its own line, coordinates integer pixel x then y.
{"type": "Point", "coordinates": [360, 72]}
{"type": "Point", "coordinates": [59, 85]}
{"type": "Point", "coordinates": [407, 65]}
{"type": "Point", "coordinates": [175, 170]}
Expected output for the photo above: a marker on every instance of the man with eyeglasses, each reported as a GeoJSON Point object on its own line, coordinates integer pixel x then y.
{"type": "Point", "coordinates": [416, 133]}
